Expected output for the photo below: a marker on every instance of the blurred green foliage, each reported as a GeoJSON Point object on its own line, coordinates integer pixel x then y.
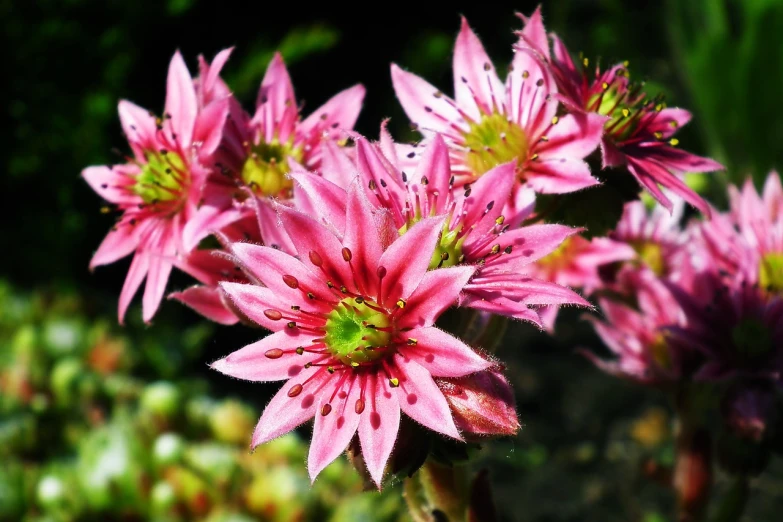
{"type": "Point", "coordinates": [85, 436]}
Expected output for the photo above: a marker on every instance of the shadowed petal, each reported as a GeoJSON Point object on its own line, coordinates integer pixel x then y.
{"type": "Point", "coordinates": [432, 175]}
{"type": "Point", "coordinates": [363, 239]}
{"type": "Point", "coordinates": [209, 127]}
{"type": "Point", "coordinates": [442, 354]}
{"type": "Point", "coordinates": [207, 301]}
{"type": "Point", "coordinates": [252, 363]}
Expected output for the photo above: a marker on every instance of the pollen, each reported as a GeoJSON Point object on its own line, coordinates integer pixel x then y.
{"type": "Point", "coordinates": [492, 141]}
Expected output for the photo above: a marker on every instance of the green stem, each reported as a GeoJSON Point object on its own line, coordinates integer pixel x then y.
{"type": "Point", "coordinates": [734, 502]}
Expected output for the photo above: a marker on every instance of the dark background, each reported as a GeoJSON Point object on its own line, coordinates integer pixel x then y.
{"type": "Point", "coordinates": [67, 63]}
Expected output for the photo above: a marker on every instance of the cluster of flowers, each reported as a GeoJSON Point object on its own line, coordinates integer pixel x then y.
{"type": "Point", "coordinates": [349, 250]}
{"type": "Point", "coordinates": [702, 302]}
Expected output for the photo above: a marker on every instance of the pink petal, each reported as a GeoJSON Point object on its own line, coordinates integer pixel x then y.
{"type": "Point", "coordinates": [208, 130]}
{"type": "Point", "coordinates": [476, 84]}
{"type": "Point", "coordinates": [485, 203]}
{"type": "Point", "coordinates": [338, 114]}
{"type": "Point", "coordinates": [270, 265]}
{"type": "Point", "coordinates": [534, 34]}
{"type": "Point", "coordinates": [559, 176]}
{"type": "Point", "coordinates": [207, 301]}
{"type": "Point", "coordinates": [651, 173]}
{"type": "Point", "coordinates": [439, 289]}
{"type": "Point", "coordinates": [574, 136]}
{"type": "Point", "coordinates": [336, 166]}
{"type": "Point", "coordinates": [496, 303]}
{"type": "Point", "coordinates": [428, 108]}
{"type": "Point", "coordinates": [333, 432]}
{"type": "Point", "coordinates": [136, 274]}
{"type": "Point", "coordinates": [363, 239]}
{"type": "Point", "coordinates": [669, 121]}
{"type": "Point", "coordinates": [181, 103]}
{"type": "Point", "coordinates": [318, 197]}
{"type": "Point", "coordinates": [210, 75]}
{"type": "Point", "coordinates": [284, 413]}
{"type": "Point", "coordinates": [442, 354]}
{"type": "Point", "coordinates": [254, 300]}
{"type": "Point", "coordinates": [117, 244]}
{"type": "Point", "coordinates": [272, 231]}
{"type": "Point", "coordinates": [110, 185]}
{"type": "Point", "coordinates": [139, 127]}
{"type": "Point", "coordinates": [407, 259]}
{"type": "Point", "coordinates": [276, 110]}
{"type": "Point", "coordinates": [160, 264]}
{"type": "Point", "coordinates": [421, 399]}
{"type": "Point", "coordinates": [210, 218]}
{"type": "Point", "coordinates": [433, 174]}
{"type": "Point", "coordinates": [310, 236]}
{"type": "Point", "coordinates": [378, 426]}
{"type": "Point", "coordinates": [530, 244]}
{"type": "Point", "coordinates": [252, 364]}
{"type": "Point", "coordinates": [528, 290]}
{"type": "Point", "coordinates": [527, 100]}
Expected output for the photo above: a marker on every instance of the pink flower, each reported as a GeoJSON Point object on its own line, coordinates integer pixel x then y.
{"type": "Point", "coordinates": [760, 222]}
{"type": "Point", "coordinates": [656, 237]}
{"type": "Point", "coordinates": [352, 317]}
{"type": "Point", "coordinates": [474, 234]}
{"type": "Point", "coordinates": [637, 335]}
{"type": "Point", "coordinates": [489, 123]}
{"type": "Point", "coordinates": [638, 131]}
{"type": "Point", "coordinates": [159, 188]}
{"type": "Point", "coordinates": [259, 151]}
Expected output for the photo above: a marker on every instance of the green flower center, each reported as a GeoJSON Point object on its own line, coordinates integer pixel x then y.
{"type": "Point", "coordinates": [266, 167]}
{"type": "Point", "coordinates": [161, 178]}
{"type": "Point", "coordinates": [651, 254]}
{"type": "Point", "coordinates": [751, 339]}
{"type": "Point", "coordinates": [771, 272]}
{"type": "Point", "coordinates": [358, 331]}
{"type": "Point", "coordinates": [448, 251]}
{"type": "Point", "coordinates": [492, 141]}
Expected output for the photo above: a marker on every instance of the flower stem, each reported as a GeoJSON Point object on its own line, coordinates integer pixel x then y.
{"type": "Point", "coordinates": [692, 480]}
{"type": "Point", "coordinates": [734, 502]}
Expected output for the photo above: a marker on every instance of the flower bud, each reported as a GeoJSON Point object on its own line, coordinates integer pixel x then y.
{"type": "Point", "coordinates": [482, 404]}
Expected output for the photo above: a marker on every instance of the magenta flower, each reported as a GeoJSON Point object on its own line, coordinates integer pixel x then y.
{"type": "Point", "coordinates": [638, 335]}
{"type": "Point", "coordinates": [638, 131]}
{"type": "Point", "coordinates": [489, 123]}
{"type": "Point", "coordinates": [159, 188]}
{"type": "Point", "coordinates": [259, 151]}
{"type": "Point", "coordinates": [352, 318]}
{"type": "Point", "coordinates": [737, 326]}
{"type": "Point", "coordinates": [474, 234]}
